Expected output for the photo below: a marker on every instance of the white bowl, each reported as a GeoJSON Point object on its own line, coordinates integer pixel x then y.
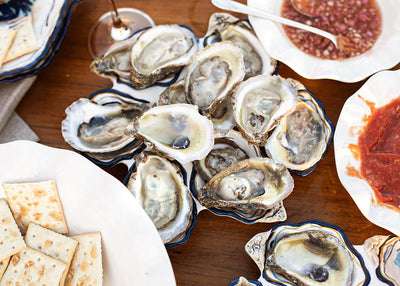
{"type": "Point", "coordinates": [383, 55]}
{"type": "Point", "coordinates": [379, 89]}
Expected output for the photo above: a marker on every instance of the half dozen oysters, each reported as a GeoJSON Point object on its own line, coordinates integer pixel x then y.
{"type": "Point", "coordinates": [241, 127]}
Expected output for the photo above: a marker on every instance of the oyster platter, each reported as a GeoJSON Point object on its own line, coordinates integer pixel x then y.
{"type": "Point", "coordinates": [201, 123]}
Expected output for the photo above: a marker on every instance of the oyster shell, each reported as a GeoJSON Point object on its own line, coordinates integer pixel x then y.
{"type": "Point", "coordinates": [116, 60]}
{"type": "Point", "coordinates": [174, 94]}
{"type": "Point", "coordinates": [94, 128]}
{"type": "Point", "coordinates": [177, 130]}
{"type": "Point", "coordinates": [256, 59]}
{"type": "Point", "coordinates": [213, 74]}
{"type": "Point", "coordinates": [224, 154]}
{"type": "Point", "coordinates": [259, 103]}
{"type": "Point", "coordinates": [311, 258]}
{"type": "Point", "coordinates": [159, 188]}
{"type": "Point", "coordinates": [160, 52]}
{"type": "Point", "coordinates": [300, 139]}
{"type": "Point", "coordinates": [222, 117]}
{"type": "Point", "coordinates": [255, 183]}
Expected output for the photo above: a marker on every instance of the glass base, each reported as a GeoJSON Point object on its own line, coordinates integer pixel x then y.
{"type": "Point", "coordinates": [104, 34]}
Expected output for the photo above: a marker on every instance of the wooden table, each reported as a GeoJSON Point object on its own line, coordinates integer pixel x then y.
{"type": "Point", "coordinates": [215, 254]}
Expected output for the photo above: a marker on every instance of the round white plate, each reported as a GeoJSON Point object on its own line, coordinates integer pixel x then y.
{"type": "Point", "coordinates": [93, 200]}
{"type": "Point", "coordinates": [383, 55]}
{"type": "Point", "coordinates": [379, 89]}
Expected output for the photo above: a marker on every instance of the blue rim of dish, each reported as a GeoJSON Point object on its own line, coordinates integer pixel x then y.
{"type": "Point", "coordinates": [163, 83]}
{"type": "Point", "coordinates": [117, 159]}
{"type": "Point", "coordinates": [52, 47]}
{"type": "Point", "coordinates": [234, 282]}
{"type": "Point", "coordinates": [232, 214]}
{"type": "Point", "coordinates": [378, 271]}
{"type": "Point", "coordinates": [322, 224]}
{"type": "Point", "coordinates": [329, 141]}
{"type": "Point", "coordinates": [194, 211]}
{"type": "Point", "coordinates": [245, 24]}
{"type": "Point", "coordinates": [14, 8]}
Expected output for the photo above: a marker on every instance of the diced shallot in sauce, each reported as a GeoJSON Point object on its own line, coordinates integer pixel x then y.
{"type": "Point", "coordinates": [359, 21]}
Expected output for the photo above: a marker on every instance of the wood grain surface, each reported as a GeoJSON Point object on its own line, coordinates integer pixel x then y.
{"type": "Point", "coordinates": [215, 254]}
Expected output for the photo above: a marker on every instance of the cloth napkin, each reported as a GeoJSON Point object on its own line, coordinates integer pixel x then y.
{"type": "Point", "coordinates": [12, 127]}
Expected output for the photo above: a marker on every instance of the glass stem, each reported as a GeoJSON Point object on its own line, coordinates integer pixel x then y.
{"type": "Point", "coordinates": [116, 19]}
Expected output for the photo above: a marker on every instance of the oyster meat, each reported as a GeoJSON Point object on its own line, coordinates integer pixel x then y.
{"type": "Point", "coordinates": [224, 154]}
{"type": "Point", "coordinates": [256, 59]}
{"type": "Point", "coordinates": [300, 139]}
{"type": "Point", "coordinates": [94, 128]}
{"type": "Point", "coordinates": [311, 258]}
{"type": "Point", "coordinates": [255, 183]}
{"type": "Point", "coordinates": [177, 130]}
{"type": "Point", "coordinates": [159, 188]}
{"type": "Point", "coordinates": [259, 103]}
{"type": "Point", "coordinates": [213, 74]}
{"type": "Point", "coordinates": [160, 52]}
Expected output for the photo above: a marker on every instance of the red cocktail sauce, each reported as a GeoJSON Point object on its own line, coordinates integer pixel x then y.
{"type": "Point", "coordinates": [379, 146]}
{"type": "Point", "coordinates": [359, 21]}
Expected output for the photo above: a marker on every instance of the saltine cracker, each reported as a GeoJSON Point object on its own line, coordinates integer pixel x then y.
{"type": "Point", "coordinates": [31, 267]}
{"type": "Point", "coordinates": [6, 39]}
{"type": "Point", "coordinates": [52, 244]}
{"type": "Point", "coordinates": [86, 267]}
{"type": "Point", "coordinates": [38, 203]}
{"type": "Point", "coordinates": [11, 240]}
{"type": "Point", "coordinates": [25, 41]}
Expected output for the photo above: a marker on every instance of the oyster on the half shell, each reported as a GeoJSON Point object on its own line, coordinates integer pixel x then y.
{"type": "Point", "coordinates": [177, 130]}
{"type": "Point", "coordinates": [259, 103]}
{"type": "Point", "coordinates": [160, 52]}
{"type": "Point", "coordinates": [311, 258]}
{"type": "Point", "coordinates": [256, 59]}
{"type": "Point", "coordinates": [94, 128]}
{"type": "Point", "coordinates": [173, 94]}
{"type": "Point", "coordinates": [255, 183]}
{"type": "Point", "coordinates": [159, 188]}
{"type": "Point", "coordinates": [299, 140]}
{"type": "Point", "coordinates": [224, 154]}
{"type": "Point", "coordinates": [156, 54]}
{"type": "Point", "coordinates": [213, 74]}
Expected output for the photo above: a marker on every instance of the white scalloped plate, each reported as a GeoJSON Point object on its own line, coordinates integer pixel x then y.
{"type": "Point", "coordinates": [93, 200]}
{"type": "Point", "coordinates": [383, 55]}
{"type": "Point", "coordinates": [379, 89]}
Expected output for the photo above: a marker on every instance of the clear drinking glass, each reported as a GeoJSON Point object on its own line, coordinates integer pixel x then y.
{"type": "Point", "coordinates": [114, 26]}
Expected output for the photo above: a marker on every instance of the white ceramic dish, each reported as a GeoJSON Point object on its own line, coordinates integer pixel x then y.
{"type": "Point", "coordinates": [382, 55]}
{"type": "Point", "coordinates": [49, 19]}
{"type": "Point", "coordinates": [133, 253]}
{"type": "Point", "coordinates": [379, 89]}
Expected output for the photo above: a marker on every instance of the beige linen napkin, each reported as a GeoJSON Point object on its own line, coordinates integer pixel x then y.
{"type": "Point", "coordinates": [12, 127]}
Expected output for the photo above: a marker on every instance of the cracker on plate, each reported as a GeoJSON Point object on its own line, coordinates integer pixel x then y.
{"type": "Point", "coordinates": [24, 42]}
{"type": "Point", "coordinates": [11, 240]}
{"type": "Point", "coordinates": [3, 266]}
{"type": "Point", "coordinates": [86, 268]}
{"type": "Point", "coordinates": [31, 267]}
{"type": "Point", "coordinates": [38, 203]}
{"type": "Point", "coordinates": [52, 244]}
{"type": "Point", "coordinates": [6, 39]}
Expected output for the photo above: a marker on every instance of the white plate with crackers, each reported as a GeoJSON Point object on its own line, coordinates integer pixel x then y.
{"type": "Point", "coordinates": [28, 47]}
{"type": "Point", "coordinates": [65, 220]}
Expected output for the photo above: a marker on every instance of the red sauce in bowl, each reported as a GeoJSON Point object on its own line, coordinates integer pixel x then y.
{"type": "Point", "coordinates": [379, 145]}
{"type": "Point", "coordinates": [358, 20]}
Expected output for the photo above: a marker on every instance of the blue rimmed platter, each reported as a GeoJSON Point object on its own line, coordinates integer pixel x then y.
{"type": "Point", "coordinates": [50, 21]}
{"type": "Point", "coordinates": [11, 9]}
{"type": "Point", "coordinates": [258, 246]}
